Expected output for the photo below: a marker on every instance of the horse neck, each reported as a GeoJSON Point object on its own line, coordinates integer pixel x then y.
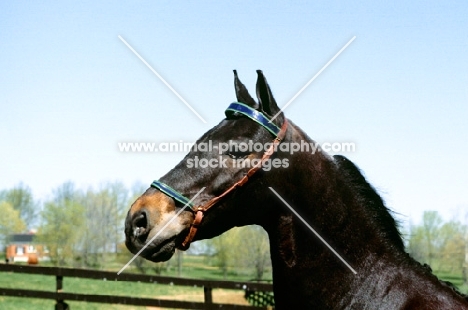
{"type": "Point", "coordinates": [335, 199]}
{"type": "Point", "coordinates": [304, 269]}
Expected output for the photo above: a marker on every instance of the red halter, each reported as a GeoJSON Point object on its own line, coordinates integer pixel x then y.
{"type": "Point", "coordinates": [200, 210]}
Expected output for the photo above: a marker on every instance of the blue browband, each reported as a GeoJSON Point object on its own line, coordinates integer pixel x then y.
{"type": "Point", "coordinates": [253, 114]}
{"type": "Point", "coordinates": [235, 107]}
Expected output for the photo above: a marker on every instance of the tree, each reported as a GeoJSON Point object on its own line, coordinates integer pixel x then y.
{"type": "Point", "coordinates": [21, 198]}
{"type": "Point", "coordinates": [242, 247]}
{"type": "Point", "coordinates": [65, 193]}
{"type": "Point", "coordinates": [431, 225]}
{"type": "Point", "coordinates": [85, 226]}
{"type": "Point", "coordinates": [442, 245]}
{"type": "Point", "coordinates": [255, 249]}
{"type": "Point", "coordinates": [10, 222]}
{"type": "Point", "coordinates": [104, 211]}
{"type": "Point", "coordinates": [452, 247]}
{"type": "Point", "coordinates": [416, 243]}
{"type": "Point", "coordinates": [62, 225]}
{"type": "Point", "coordinates": [423, 238]}
{"type": "Point", "coordinates": [225, 249]}
{"type": "Point", "coordinates": [61, 230]}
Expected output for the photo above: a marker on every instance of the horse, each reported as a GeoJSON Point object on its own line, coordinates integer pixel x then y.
{"type": "Point", "coordinates": [243, 186]}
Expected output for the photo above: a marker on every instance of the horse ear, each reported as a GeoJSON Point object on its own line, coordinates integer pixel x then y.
{"type": "Point", "coordinates": [266, 100]}
{"type": "Point", "coordinates": [242, 93]}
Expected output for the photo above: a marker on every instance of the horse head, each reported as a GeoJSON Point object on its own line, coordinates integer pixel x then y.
{"type": "Point", "coordinates": [223, 159]}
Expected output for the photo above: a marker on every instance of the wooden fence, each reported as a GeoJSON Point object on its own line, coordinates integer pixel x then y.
{"type": "Point", "coordinates": [60, 297]}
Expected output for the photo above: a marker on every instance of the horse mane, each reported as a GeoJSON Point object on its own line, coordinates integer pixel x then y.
{"type": "Point", "coordinates": [373, 203]}
{"type": "Point", "coordinates": [383, 215]}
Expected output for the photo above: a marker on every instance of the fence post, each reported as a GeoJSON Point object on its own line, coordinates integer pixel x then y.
{"type": "Point", "coordinates": [208, 297]}
{"type": "Point", "coordinates": [60, 304]}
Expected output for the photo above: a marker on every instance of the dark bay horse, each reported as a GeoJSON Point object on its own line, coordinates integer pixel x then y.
{"type": "Point", "coordinates": [233, 187]}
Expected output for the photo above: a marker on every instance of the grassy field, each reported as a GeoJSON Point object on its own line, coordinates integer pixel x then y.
{"type": "Point", "coordinates": [193, 267]}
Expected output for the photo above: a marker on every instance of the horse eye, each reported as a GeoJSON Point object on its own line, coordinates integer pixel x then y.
{"type": "Point", "coordinates": [238, 155]}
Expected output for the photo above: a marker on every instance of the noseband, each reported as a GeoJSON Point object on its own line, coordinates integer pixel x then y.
{"type": "Point", "coordinates": [233, 109]}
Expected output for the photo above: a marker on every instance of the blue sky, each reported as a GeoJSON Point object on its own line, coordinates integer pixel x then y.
{"type": "Point", "coordinates": [70, 90]}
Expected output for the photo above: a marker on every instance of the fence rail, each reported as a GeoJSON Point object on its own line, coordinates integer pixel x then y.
{"type": "Point", "coordinates": [59, 296]}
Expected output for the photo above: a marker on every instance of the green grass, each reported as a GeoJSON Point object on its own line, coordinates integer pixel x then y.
{"type": "Point", "coordinates": [199, 267]}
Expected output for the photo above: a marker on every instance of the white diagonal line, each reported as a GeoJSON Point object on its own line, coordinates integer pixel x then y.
{"type": "Point", "coordinates": [163, 80]}
{"type": "Point", "coordinates": [312, 79]}
{"type": "Point", "coordinates": [160, 231]}
{"type": "Point", "coordinates": [317, 234]}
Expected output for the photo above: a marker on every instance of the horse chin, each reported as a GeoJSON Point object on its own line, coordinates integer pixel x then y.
{"type": "Point", "coordinates": [163, 254]}
{"type": "Point", "coordinates": [156, 251]}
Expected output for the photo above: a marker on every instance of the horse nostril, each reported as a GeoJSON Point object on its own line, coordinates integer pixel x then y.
{"type": "Point", "coordinates": [140, 225]}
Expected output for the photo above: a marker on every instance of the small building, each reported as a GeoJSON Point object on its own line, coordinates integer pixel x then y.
{"type": "Point", "coordinates": [23, 248]}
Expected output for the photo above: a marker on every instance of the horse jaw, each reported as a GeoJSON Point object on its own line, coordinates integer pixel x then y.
{"type": "Point", "coordinates": [153, 220]}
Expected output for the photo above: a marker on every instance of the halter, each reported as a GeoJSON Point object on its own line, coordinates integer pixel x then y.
{"type": "Point", "coordinates": [199, 211]}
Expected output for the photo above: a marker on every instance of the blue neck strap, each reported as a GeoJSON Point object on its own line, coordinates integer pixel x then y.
{"type": "Point", "coordinates": [235, 107]}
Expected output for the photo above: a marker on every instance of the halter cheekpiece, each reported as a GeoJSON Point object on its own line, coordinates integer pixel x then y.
{"type": "Point", "coordinates": [233, 109]}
